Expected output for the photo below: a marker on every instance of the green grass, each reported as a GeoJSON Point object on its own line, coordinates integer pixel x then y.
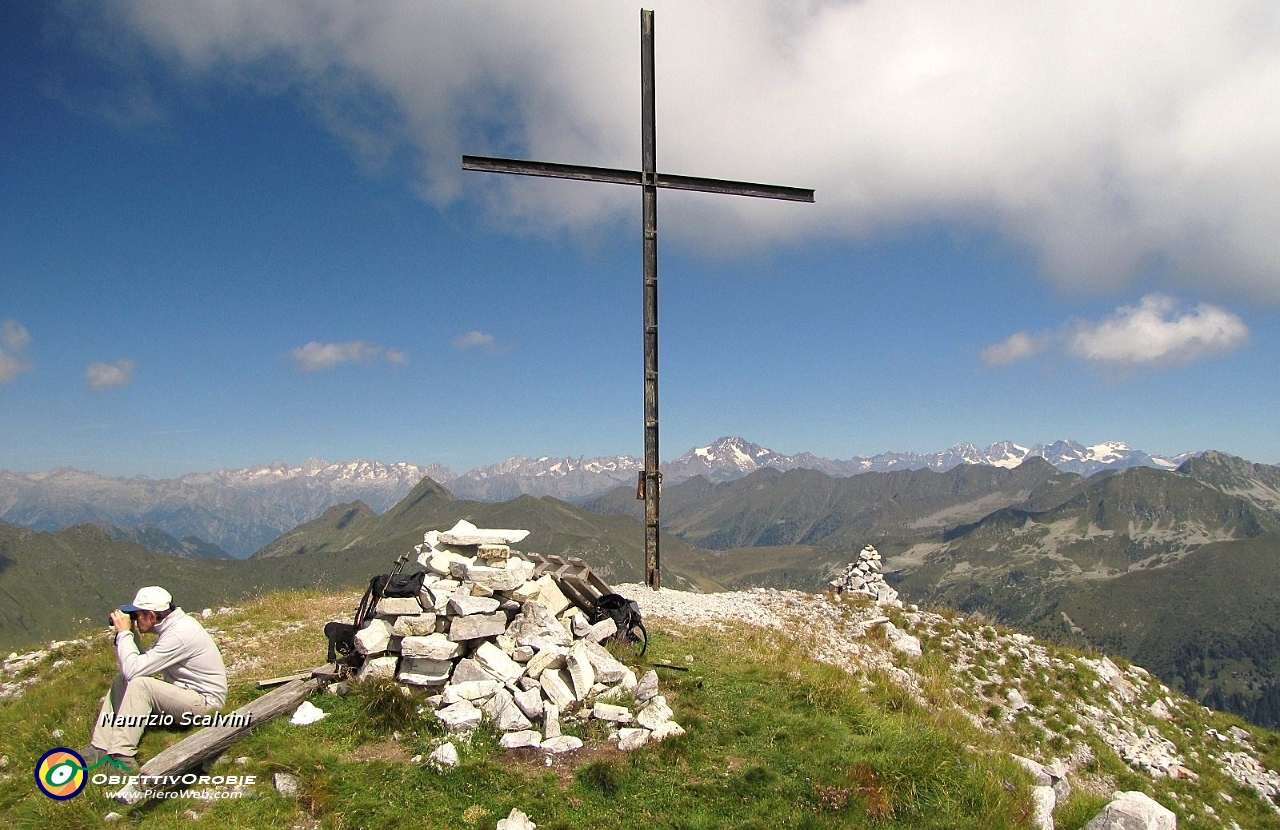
{"type": "Point", "coordinates": [774, 739]}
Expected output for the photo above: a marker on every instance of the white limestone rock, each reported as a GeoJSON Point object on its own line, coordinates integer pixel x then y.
{"type": "Point", "coordinates": [670, 729]}
{"type": "Point", "coordinates": [462, 716]}
{"type": "Point", "coordinates": [655, 713]}
{"type": "Point", "coordinates": [467, 670]}
{"type": "Point", "coordinates": [632, 739]}
{"type": "Point", "coordinates": [536, 626]}
{"type": "Point", "coordinates": [419, 625]}
{"type": "Point", "coordinates": [505, 713]}
{"type": "Point", "coordinates": [647, 687]}
{"type": "Point", "coordinates": [612, 713]}
{"type": "Point", "coordinates": [560, 744]}
{"type": "Point", "coordinates": [472, 690]}
{"type": "Point", "coordinates": [551, 658]}
{"type": "Point", "coordinates": [1043, 801]}
{"type": "Point", "coordinates": [526, 592]}
{"type": "Point", "coordinates": [607, 668]}
{"type": "Point", "coordinates": [378, 668]}
{"type": "Point", "coordinates": [1016, 701]}
{"type": "Point", "coordinates": [519, 740]}
{"type": "Point", "coordinates": [602, 630]}
{"type": "Point", "coordinates": [465, 533]}
{"type": "Point", "coordinates": [908, 644]}
{"type": "Point", "coordinates": [550, 595]}
{"type": "Point", "coordinates": [515, 820]}
{"type": "Point", "coordinates": [287, 785]}
{"type": "Point", "coordinates": [513, 574]}
{"type": "Point", "coordinates": [581, 675]}
{"type": "Point", "coordinates": [530, 702]}
{"type": "Point", "coordinates": [397, 606]}
{"type": "Point", "coordinates": [493, 660]}
{"type": "Point", "coordinates": [442, 562]}
{"type": "Point", "coordinates": [1110, 674]}
{"type": "Point", "coordinates": [1039, 773]}
{"type": "Point", "coordinates": [556, 686]}
{"type": "Point", "coordinates": [446, 755]}
{"type": "Point", "coordinates": [432, 646]}
{"type": "Point", "coordinates": [1133, 811]}
{"type": "Point", "coordinates": [477, 626]}
{"type": "Point", "coordinates": [374, 637]}
{"type": "Point", "coordinates": [550, 720]}
{"type": "Point", "coordinates": [462, 606]}
{"type": "Point", "coordinates": [424, 671]}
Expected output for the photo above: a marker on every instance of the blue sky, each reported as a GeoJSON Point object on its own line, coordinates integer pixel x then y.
{"type": "Point", "coordinates": [239, 232]}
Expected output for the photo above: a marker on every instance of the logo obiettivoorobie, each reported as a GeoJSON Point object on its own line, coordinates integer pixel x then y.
{"type": "Point", "coordinates": [61, 773]}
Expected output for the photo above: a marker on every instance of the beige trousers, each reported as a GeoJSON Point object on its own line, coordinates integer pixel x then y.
{"type": "Point", "coordinates": [127, 708]}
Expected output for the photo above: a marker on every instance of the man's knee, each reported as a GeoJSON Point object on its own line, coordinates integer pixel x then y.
{"type": "Point", "coordinates": [143, 689]}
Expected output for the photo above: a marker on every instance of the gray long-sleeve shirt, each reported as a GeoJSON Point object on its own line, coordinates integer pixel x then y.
{"type": "Point", "coordinates": [184, 654]}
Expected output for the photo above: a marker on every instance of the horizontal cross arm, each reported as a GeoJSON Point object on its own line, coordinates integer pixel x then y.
{"type": "Point", "coordinates": [760, 191]}
{"type": "Point", "coordinates": [486, 164]}
{"type": "Point", "coordinates": [634, 177]}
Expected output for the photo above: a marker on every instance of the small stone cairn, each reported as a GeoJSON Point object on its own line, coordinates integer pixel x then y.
{"type": "Point", "coordinates": [495, 642]}
{"type": "Point", "coordinates": [863, 578]}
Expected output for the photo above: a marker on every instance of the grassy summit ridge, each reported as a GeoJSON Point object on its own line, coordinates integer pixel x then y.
{"type": "Point", "coordinates": [800, 713]}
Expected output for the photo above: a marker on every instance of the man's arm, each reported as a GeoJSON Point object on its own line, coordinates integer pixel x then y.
{"type": "Point", "coordinates": [167, 652]}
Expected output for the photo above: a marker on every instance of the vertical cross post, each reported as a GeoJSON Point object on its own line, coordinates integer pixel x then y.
{"type": "Point", "coordinates": [649, 172]}
{"type": "Point", "coordinates": [649, 180]}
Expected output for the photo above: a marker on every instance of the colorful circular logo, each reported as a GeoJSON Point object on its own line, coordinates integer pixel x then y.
{"type": "Point", "coordinates": [60, 773]}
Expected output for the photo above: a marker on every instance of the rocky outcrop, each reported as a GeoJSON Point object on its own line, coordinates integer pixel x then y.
{"type": "Point", "coordinates": [1133, 811]}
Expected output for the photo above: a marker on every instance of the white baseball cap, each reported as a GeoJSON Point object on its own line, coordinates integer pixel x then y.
{"type": "Point", "coordinates": [151, 598]}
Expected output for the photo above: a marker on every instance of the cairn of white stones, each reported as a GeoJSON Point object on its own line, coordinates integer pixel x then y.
{"type": "Point", "coordinates": [863, 578]}
{"type": "Point", "coordinates": [495, 642]}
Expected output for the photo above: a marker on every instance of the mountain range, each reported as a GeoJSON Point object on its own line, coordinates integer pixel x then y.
{"type": "Point", "coordinates": [1174, 567]}
{"type": "Point", "coordinates": [242, 510]}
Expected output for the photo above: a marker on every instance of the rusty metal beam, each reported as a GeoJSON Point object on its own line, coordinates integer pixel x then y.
{"type": "Point", "coordinates": [649, 206]}
{"type": "Point", "coordinates": [612, 175]}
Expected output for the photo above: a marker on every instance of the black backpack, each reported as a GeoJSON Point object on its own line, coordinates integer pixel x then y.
{"type": "Point", "coordinates": [342, 636]}
{"type": "Point", "coordinates": [625, 613]}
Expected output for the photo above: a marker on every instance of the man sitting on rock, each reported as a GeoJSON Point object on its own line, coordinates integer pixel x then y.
{"type": "Point", "coordinates": [194, 676]}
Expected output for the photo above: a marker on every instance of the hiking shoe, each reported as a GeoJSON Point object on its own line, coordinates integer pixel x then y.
{"type": "Point", "coordinates": [127, 764]}
{"type": "Point", "coordinates": [91, 755]}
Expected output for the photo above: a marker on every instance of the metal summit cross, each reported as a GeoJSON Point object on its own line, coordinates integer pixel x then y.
{"type": "Point", "coordinates": [649, 180]}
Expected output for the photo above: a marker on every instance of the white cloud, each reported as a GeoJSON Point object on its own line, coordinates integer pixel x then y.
{"type": "Point", "coordinates": [103, 376]}
{"type": "Point", "coordinates": [315, 357]}
{"type": "Point", "coordinates": [14, 336]}
{"type": "Point", "coordinates": [1018, 347]}
{"type": "Point", "coordinates": [1106, 138]}
{"type": "Point", "coordinates": [1157, 331]}
{"type": "Point", "coordinates": [476, 340]}
{"type": "Point", "coordinates": [14, 339]}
